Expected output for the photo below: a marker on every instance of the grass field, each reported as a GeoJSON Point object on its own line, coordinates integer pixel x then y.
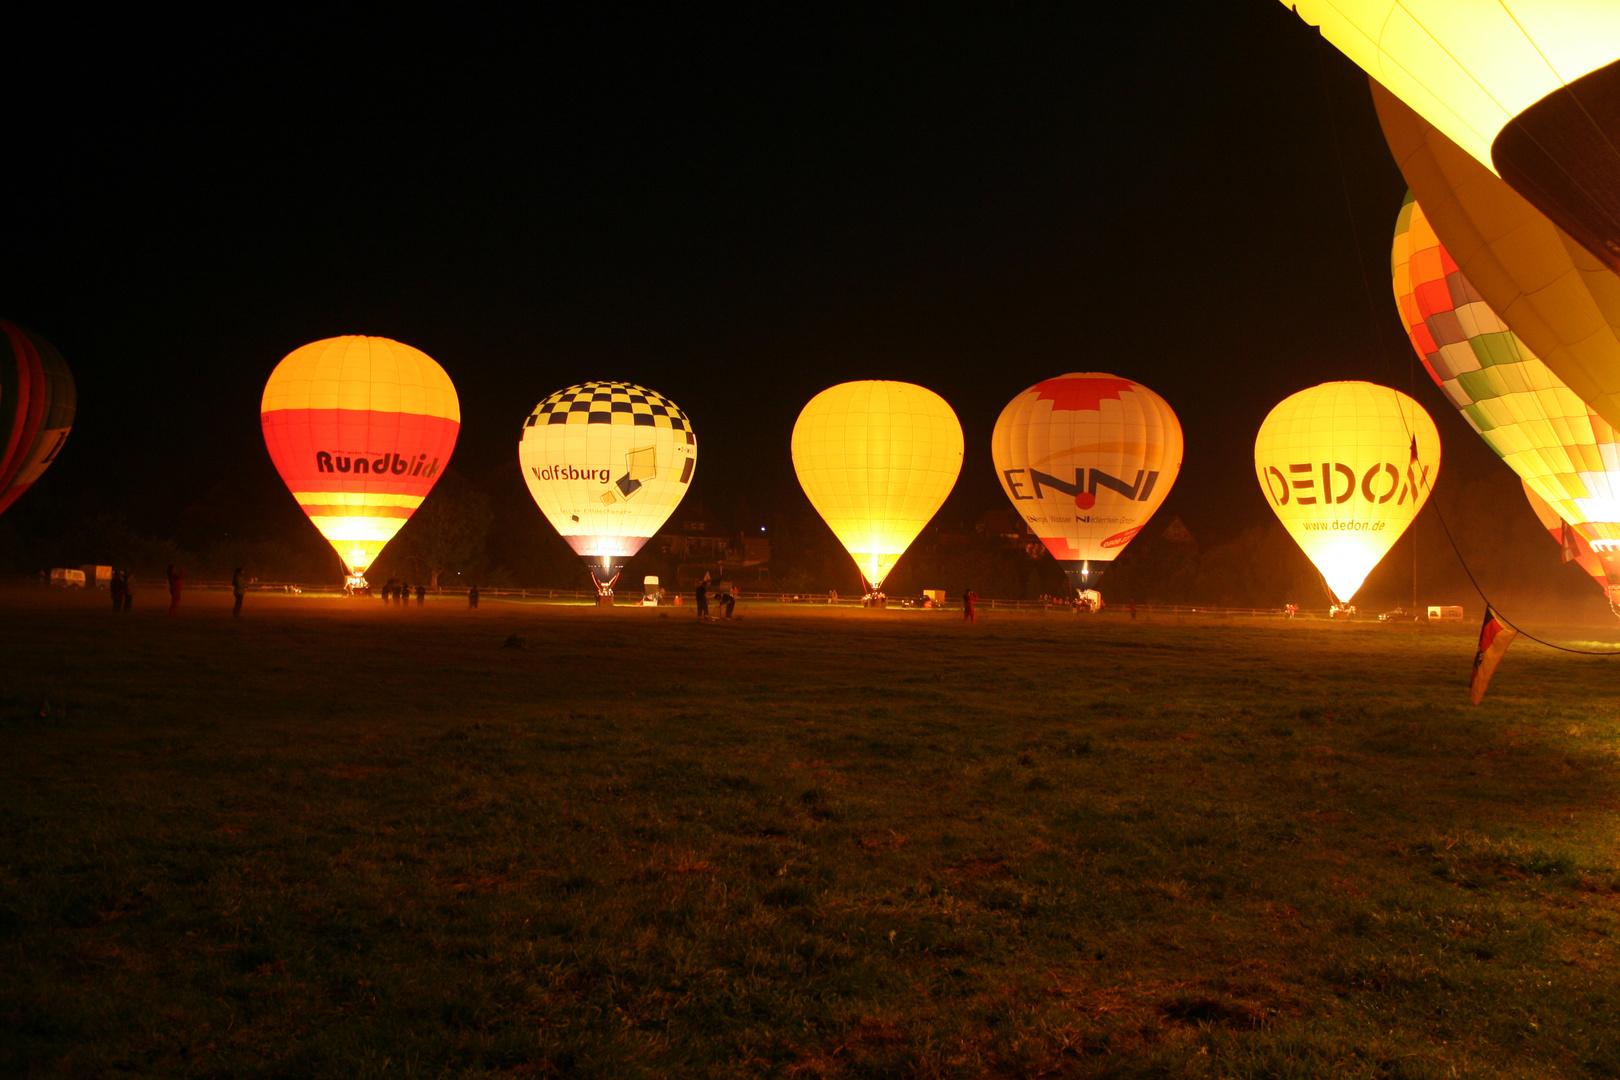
{"type": "Point", "coordinates": [331, 840]}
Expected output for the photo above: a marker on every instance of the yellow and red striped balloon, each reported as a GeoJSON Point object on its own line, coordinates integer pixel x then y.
{"type": "Point", "coordinates": [360, 428]}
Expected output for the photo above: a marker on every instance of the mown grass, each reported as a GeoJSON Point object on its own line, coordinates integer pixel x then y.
{"type": "Point", "coordinates": [330, 840]}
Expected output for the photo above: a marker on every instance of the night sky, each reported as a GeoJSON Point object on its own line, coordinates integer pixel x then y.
{"type": "Point", "coordinates": [736, 208]}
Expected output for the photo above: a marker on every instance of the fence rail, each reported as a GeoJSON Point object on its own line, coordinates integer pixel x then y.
{"type": "Point", "coordinates": [629, 597]}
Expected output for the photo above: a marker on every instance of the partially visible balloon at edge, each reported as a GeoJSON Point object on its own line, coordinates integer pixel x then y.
{"type": "Point", "coordinates": [1555, 295]}
{"type": "Point", "coordinates": [1526, 88]}
{"type": "Point", "coordinates": [37, 404]}
{"type": "Point", "coordinates": [1562, 450]}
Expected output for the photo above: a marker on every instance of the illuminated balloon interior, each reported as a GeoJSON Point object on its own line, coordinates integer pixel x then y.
{"type": "Point", "coordinates": [1346, 466]}
{"type": "Point", "coordinates": [877, 459]}
{"type": "Point", "coordinates": [1085, 459]}
{"type": "Point", "coordinates": [360, 429]}
{"type": "Point", "coordinates": [607, 463]}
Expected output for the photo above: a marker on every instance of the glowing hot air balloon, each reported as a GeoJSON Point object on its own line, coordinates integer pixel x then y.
{"type": "Point", "coordinates": [1525, 87]}
{"type": "Point", "coordinates": [37, 403]}
{"type": "Point", "coordinates": [877, 460]}
{"type": "Point", "coordinates": [1086, 459]}
{"type": "Point", "coordinates": [1576, 548]}
{"type": "Point", "coordinates": [1346, 466]}
{"type": "Point", "coordinates": [1560, 300]}
{"type": "Point", "coordinates": [607, 463]}
{"type": "Point", "coordinates": [1567, 454]}
{"type": "Point", "coordinates": [360, 428]}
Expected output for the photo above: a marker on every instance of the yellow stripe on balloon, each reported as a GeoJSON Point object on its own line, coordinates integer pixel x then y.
{"type": "Point", "coordinates": [342, 529]}
{"type": "Point", "coordinates": [362, 374]}
{"type": "Point", "coordinates": [355, 498]}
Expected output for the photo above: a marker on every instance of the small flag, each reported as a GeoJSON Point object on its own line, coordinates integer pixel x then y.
{"type": "Point", "coordinates": [1494, 638]}
{"type": "Point", "coordinates": [1567, 541]}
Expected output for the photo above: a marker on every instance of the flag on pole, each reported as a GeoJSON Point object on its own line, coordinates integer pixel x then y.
{"type": "Point", "coordinates": [1567, 540]}
{"type": "Point", "coordinates": [1494, 638]}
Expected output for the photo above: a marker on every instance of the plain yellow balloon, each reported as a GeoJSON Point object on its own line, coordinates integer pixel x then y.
{"type": "Point", "coordinates": [877, 460]}
{"type": "Point", "coordinates": [1346, 466]}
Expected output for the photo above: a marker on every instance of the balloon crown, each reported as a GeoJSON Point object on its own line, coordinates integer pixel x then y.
{"type": "Point", "coordinates": [611, 403]}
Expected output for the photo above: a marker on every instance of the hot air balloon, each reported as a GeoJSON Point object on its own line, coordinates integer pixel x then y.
{"type": "Point", "coordinates": [1563, 451]}
{"type": "Point", "coordinates": [1576, 548]}
{"type": "Point", "coordinates": [37, 403]}
{"type": "Point", "coordinates": [360, 428]}
{"type": "Point", "coordinates": [1556, 297]}
{"type": "Point", "coordinates": [877, 460]}
{"type": "Point", "coordinates": [1086, 459]}
{"type": "Point", "coordinates": [607, 463]}
{"type": "Point", "coordinates": [1346, 466]}
{"type": "Point", "coordinates": [1527, 88]}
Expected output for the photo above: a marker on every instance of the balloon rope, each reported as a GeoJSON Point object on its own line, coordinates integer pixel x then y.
{"type": "Point", "coordinates": [1522, 632]}
{"type": "Point", "coordinates": [1383, 347]}
{"type": "Point", "coordinates": [1350, 212]}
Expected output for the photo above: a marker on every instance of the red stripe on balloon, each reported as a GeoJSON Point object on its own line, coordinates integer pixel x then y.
{"type": "Point", "coordinates": [30, 404]}
{"type": "Point", "coordinates": [295, 437]}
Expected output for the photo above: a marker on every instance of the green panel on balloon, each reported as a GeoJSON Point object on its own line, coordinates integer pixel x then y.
{"type": "Point", "coordinates": [1496, 349]}
{"type": "Point", "coordinates": [1476, 416]}
{"type": "Point", "coordinates": [1479, 386]}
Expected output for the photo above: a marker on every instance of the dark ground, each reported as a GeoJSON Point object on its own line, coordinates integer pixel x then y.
{"type": "Point", "coordinates": [333, 840]}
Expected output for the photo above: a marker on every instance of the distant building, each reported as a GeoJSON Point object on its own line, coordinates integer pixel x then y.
{"type": "Point", "coordinates": [699, 545]}
{"type": "Point", "coordinates": [1178, 533]}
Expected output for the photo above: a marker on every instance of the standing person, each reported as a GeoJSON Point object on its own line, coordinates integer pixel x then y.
{"type": "Point", "coordinates": [116, 589]}
{"type": "Point", "coordinates": [969, 612]}
{"type": "Point", "coordinates": [1133, 609]}
{"type": "Point", "coordinates": [177, 581]}
{"type": "Point", "coordinates": [421, 596]}
{"type": "Point", "coordinates": [472, 598]}
{"type": "Point", "coordinates": [703, 597]}
{"type": "Point", "coordinates": [129, 588]}
{"type": "Point", "coordinates": [238, 590]}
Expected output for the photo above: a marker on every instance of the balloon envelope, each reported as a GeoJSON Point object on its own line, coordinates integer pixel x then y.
{"type": "Point", "coordinates": [877, 460]}
{"type": "Point", "coordinates": [1346, 466]}
{"type": "Point", "coordinates": [1086, 458]}
{"type": "Point", "coordinates": [1560, 300]}
{"type": "Point", "coordinates": [1527, 88]}
{"type": "Point", "coordinates": [37, 404]}
{"type": "Point", "coordinates": [360, 428]}
{"type": "Point", "coordinates": [1560, 448]}
{"type": "Point", "coordinates": [607, 463]}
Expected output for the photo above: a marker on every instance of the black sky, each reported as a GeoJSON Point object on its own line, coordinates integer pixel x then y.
{"type": "Point", "coordinates": [737, 208]}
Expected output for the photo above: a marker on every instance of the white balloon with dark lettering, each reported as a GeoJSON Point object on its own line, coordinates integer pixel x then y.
{"type": "Point", "coordinates": [607, 463]}
{"type": "Point", "coordinates": [1086, 459]}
